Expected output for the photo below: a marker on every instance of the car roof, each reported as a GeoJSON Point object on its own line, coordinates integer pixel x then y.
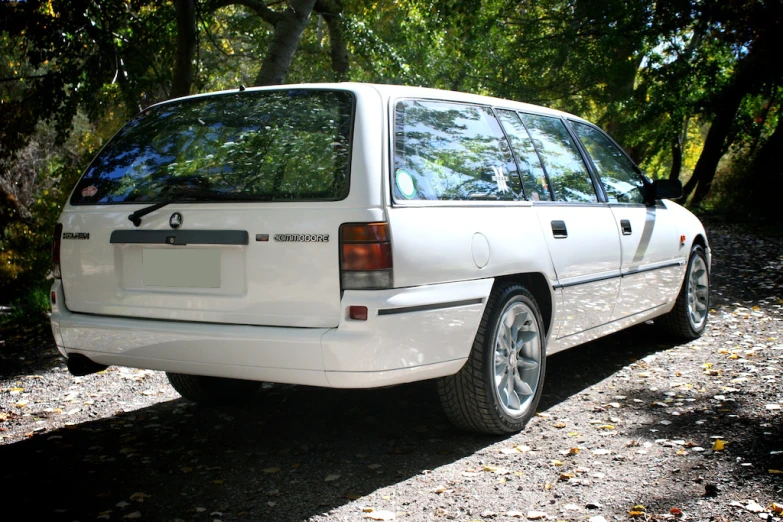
{"type": "Point", "coordinates": [390, 92]}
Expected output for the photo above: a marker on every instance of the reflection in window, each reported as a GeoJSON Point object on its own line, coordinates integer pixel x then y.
{"type": "Point", "coordinates": [622, 182]}
{"type": "Point", "coordinates": [270, 145]}
{"type": "Point", "coordinates": [567, 172]}
{"type": "Point", "coordinates": [533, 177]}
{"type": "Point", "coordinates": [448, 151]}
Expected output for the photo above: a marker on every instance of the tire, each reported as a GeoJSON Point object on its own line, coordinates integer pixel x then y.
{"type": "Point", "coordinates": [212, 390]}
{"type": "Point", "coordinates": [476, 398]}
{"type": "Point", "coordinates": [688, 319]}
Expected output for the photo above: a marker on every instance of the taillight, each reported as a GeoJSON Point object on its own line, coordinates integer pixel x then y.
{"type": "Point", "coordinates": [365, 256]}
{"type": "Point", "coordinates": [58, 237]}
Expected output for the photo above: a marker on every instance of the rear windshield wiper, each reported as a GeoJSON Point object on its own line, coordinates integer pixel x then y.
{"type": "Point", "coordinates": [197, 195]}
{"type": "Point", "coordinates": [136, 216]}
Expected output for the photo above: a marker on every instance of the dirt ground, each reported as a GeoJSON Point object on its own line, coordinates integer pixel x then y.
{"type": "Point", "coordinates": [630, 427]}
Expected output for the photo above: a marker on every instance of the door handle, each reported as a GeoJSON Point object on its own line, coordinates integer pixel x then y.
{"type": "Point", "coordinates": [559, 229]}
{"type": "Point", "coordinates": [625, 225]}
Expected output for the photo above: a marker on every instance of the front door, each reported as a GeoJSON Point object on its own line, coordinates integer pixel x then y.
{"type": "Point", "coordinates": [651, 261]}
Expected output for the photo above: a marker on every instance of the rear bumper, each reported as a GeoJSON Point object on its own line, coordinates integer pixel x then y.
{"type": "Point", "coordinates": [411, 334]}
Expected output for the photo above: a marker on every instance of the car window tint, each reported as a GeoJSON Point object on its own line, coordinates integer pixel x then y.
{"type": "Point", "coordinates": [622, 182]}
{"type": "Point", "coordinates": [291, 145]}
{"type": "Point", "coordinates": [567, 172]}
{"type": "Point", "coordinates": [450, 151]}
{"type": "Point", "coordinates": [530, 169]}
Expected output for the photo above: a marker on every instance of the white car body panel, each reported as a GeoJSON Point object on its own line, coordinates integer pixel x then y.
{"type": "Point", "coordinates": [279, 313]}
{"type": "Point", "coordinates": [587, 263]}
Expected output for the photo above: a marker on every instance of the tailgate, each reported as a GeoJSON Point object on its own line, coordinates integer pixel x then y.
{"type": "Point", "coordinates": [282, 270]}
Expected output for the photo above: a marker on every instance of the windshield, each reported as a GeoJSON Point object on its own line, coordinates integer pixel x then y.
{"type": "Point", "coordinates": [284, 145]}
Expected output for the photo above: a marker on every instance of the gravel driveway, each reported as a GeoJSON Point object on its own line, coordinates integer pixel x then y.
{"type": "Point", "coordinates": [630, 426]}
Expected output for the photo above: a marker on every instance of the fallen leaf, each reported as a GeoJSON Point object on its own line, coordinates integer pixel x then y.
{"type": "Point", "coordinates": [122, 504]}
{"type": "Point", "coordinates": [332, 477]}
{"type": "Point", "coordinates": [270, 470]}
{"type": "Point", "coordinates": [776, 508]}
{"type": "Point", "coordinates": [775, 471]}
{"type": "Point", "coordinates": [606, 427]}
{"type": "Point", "coordinates": [567, 476]}
{"type": "Point", "coordinates": [135, 514]}
{"type": "Point", "coordinates": [677, 512]}
{"type": "Point", "coordinates": [352, 496]}
{"type": "Point", "coordinates": [718, 445]}
{"type": "Point", "coordinates": [380, 515]}
{"type": "Point", "coordinates": [559, 425]}
{"type": "Point", "coordinates": [218, 482]}
{"type": "Point", "coordinates": [754, 507]}
{"type": "Point", "coordinates": [557, 463]}
{"type": "Point", "coordinates": [139, 496]}
{"type": "Point", "coordinates": [375, 466]}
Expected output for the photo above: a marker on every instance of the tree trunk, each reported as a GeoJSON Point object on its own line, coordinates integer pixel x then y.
{"type": "Point", "coordinates": [186, 47]}
{"type": "Point", "coordinates": [674, 173]}
{"type": "Point", "coordinates": [714, 145]}
{"type": "Point", "coordinates": [288, 31]}
{"type": "Point", "coordinates": [337, 48]}
{"type": "Point", "coordinates": [767, 161]}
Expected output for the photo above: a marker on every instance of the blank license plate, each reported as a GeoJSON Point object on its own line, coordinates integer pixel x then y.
{"type": "Point", "coordinates": [181, 268]}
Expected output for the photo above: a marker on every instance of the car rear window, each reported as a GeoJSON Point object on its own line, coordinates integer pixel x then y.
{"type": "Point", "coordinates": [282, 145]}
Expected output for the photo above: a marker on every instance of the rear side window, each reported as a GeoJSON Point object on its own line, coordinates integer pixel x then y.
{"type": "Point", "coordinates": [290, 145]}
{"type": "Point", "coordinates": [533, 177]}
{"type": "Point", "coordinates": [567, 172]}
{"type": "Point", "coordinates": [451, 151]}
{"type": "Point", "coordinates": [623, 184]}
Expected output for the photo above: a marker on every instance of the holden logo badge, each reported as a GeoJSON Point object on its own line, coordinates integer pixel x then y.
{"type": "Point", "coordinates": [175, 220]}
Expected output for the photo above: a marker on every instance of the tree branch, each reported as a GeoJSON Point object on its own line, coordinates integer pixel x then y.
{"type": "Point", "coordinates": [257, 6]}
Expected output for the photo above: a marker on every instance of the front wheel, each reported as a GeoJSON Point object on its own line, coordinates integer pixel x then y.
{"type": "Point", "coordinates": [688, 318]}
{"type": "Point", "coordinates": [498, 388]}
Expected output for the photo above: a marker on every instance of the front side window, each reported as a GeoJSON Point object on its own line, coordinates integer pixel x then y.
{"type": "Point", "coordinates": [622, 182]}
{"type": "Point", "coordinates": [286, 145]}
{"type": "Point", "coordinates": [451, 151]}
{"type": "Point", "coordinates": [567, 172]}
{"type": "Point", "coordinates": [533, 176]}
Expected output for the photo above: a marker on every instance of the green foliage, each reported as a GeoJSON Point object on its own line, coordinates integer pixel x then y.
{"type": "Point", "coordinates": [31, 306]}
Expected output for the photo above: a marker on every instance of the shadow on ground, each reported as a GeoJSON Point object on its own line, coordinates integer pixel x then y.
{"type": "Point", "coordinates": [294, 453]}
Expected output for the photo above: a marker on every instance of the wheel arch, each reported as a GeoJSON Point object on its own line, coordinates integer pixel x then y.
{"type": "Point", "coordinates": [538, 285]}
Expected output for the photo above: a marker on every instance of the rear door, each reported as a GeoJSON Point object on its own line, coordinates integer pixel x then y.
{"type": "Point", "coordinates": [651, 261]}
{"type": "Point", "coordinates": [248, 190]}
{"type": "Point", "coordinates": [580, 231]}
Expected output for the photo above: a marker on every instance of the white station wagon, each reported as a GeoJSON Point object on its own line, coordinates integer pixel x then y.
{"type": "Point", "coordinates": [355, 236]}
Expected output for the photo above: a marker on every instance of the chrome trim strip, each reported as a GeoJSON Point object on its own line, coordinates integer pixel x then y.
{"type": "Point", "coordinates": [594, 279]}
{"type": "Point", "coordinates": [626, 272]}
{"type": "Point", "coordinates": [429, 307]}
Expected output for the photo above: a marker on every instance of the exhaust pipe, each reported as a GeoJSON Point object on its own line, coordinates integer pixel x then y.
{"type": "Point", "coordinates": [80, 365]}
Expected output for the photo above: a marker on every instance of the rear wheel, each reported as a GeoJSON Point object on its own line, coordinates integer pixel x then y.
{"type": "Point", "coordinates": [212, 390]}
{"type": "Point", "coordinates": [688, 318]}
{"type": "Point", "coordinates": [499, 387]}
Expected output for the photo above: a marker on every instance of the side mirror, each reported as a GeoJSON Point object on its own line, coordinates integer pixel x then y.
{"type": "Point", "coordinates": [664, 189]}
